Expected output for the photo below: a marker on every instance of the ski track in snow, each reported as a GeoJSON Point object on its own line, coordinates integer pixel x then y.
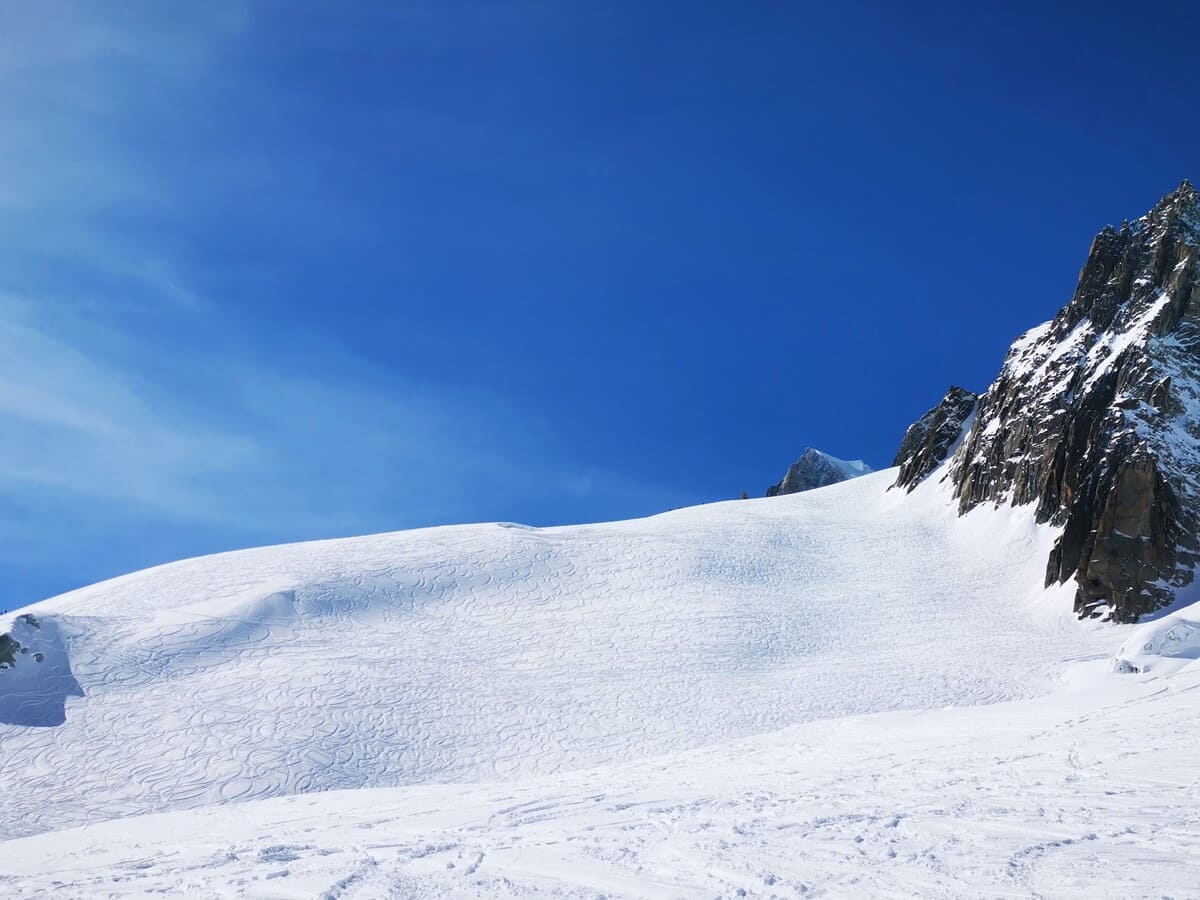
{"type": "Point", "coordinates": [606, 709]}
{"type": "Point", "coordinates": [486, 653]}
{"type": "Point", "coordinates": [1062, 797]}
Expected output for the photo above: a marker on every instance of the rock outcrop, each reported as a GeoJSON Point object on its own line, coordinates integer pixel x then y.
{"type": "Point", "coordinates": [815, 469]}
{"type": "Point", "coordinates": [10, 647]}
{"type": "Point", "coordinates": [932, 438]}
{"type": "Point", "coordinates": [1095, 419]}
{"type": "Point", "coordinates": [35, 673]}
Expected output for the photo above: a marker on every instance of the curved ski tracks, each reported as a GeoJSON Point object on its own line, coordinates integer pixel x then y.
{"type": "Point", "coordinates": [487, 653]}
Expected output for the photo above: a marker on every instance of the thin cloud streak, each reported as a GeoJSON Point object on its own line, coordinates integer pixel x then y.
{"type": "Point", "coordinates": [144, 416]}
{"type": "Point", "coordinates": [265, 448]}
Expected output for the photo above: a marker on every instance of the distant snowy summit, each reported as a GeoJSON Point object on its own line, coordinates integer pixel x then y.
{"type": "Point", "coordinates": [815, 469]}
{"type": "Point", "coordinates": [1095, 420]}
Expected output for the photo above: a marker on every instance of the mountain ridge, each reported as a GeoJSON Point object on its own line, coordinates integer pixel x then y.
{"type": "Point", "coordinates": [1095, 419]}
{"type": "Point", "coordinates": [814, 469]}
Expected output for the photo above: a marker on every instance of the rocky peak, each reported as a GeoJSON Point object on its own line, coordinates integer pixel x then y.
{"type": "Point", "coordinates": [815, 469]}
{"type": "Point", "coordinates": [1095, 419]}
{"type": "Point", "coordinates": [1140, 251]}
{"type": "Point", "coordinates": [931, 438]}
{"type": "Point", "coordinates": [1181, 203]}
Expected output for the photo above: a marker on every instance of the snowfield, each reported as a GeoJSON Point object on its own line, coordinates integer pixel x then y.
{"type": "Point", "coordinates": [1064, 798]}
{"type": "Point", "coordinates": [843, 692]}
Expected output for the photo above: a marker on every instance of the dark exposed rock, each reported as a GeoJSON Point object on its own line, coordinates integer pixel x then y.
{"type": "Point", "coordinates": [1095, 419]}
{"type": "Point", "coordinates": [815, 469]}
{"type": "Point", "coordinates": [10, 646]}
{"type": "Point", "coordinates": [931, 438]}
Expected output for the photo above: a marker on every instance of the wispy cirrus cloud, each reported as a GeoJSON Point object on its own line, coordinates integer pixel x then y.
{"type": "Point", "coordinates": [259, 442]}
{"type": "Point", "coordinates": [143, 414]}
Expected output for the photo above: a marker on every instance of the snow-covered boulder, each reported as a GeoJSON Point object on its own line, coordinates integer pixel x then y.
{"type": "Point", "coordinates": [1162, 646]}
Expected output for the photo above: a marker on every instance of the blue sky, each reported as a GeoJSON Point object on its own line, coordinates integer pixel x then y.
{"type": "Point", "coordinates": [283, 270]}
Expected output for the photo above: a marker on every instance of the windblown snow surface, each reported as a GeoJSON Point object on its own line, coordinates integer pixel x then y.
{"type": "Point", "coordinates": [846, 692]}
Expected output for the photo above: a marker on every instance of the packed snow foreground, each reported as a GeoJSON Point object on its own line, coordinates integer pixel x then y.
{"type": "Point", "coordinates": [844, 692]}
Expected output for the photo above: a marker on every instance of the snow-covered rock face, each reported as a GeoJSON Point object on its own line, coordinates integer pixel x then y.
{"type": "Point", "coordinates": [815, 469]}
{"type": "Point", "coordinates": [1095, 418]}
{"type": "Point", "coordinates": [932, 438]}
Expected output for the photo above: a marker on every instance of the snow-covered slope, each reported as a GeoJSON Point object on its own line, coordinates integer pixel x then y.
{"type": "Point", "coordinates": [495, 651]}
{"type": "Point", "coordinates": [1080, 795]}
{"type": "Point", "coordinates": [850, 689]}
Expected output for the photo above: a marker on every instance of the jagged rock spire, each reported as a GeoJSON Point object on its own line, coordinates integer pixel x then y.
{"type": "Point", "coordinates": [931, 438]}
{"type": "Point", "coordinates": [1095, 418]}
